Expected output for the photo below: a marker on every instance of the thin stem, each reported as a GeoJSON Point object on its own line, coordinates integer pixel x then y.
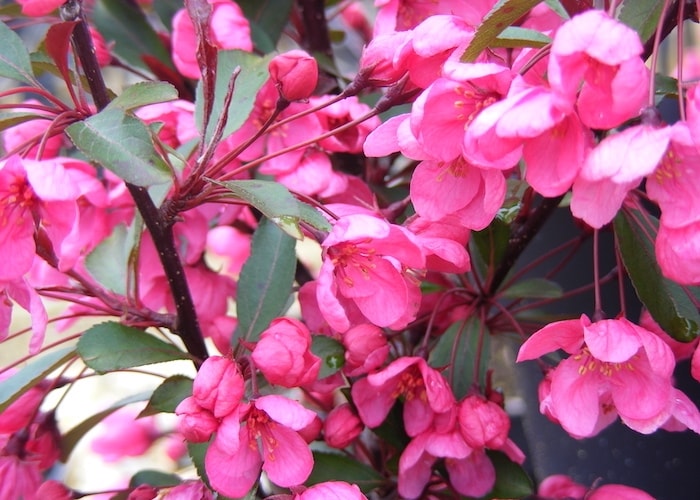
{"type": "Point", "coordinates": [655, 53]}
{"type": "Point", "coordinates": [598, 308]}
{"type": "Point", "coordinates": [157, 223]}
{"type": "Point", "coordinates": [679, 58]}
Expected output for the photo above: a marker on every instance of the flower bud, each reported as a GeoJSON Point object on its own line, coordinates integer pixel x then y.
{"type": "Point", "coordinates": [366, 349]}
{"type": "Point", "coordinates": [283, 354]}
{"type": "Point", "coordinates": [218, 386]}
{"type": "Point", "coordinates": [483, 424]}
{"type": "Point", "coordinates": [295, 74]}
{"type": "Point", "coordinates": [341, 427]}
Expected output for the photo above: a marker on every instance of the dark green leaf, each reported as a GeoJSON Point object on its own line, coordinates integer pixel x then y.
{"type": "Point", "coordinates": [125, 24]}
{"type": "Point", "coordinates": [266, 280]}
{"type": "Point", "coordinates": [121, 143]}
{"type": "Point", "coordinates": [536, 288]}
{"type": "Point", "coordinates": [168, 395]}
{"type": "Point", "coordinates": [492, 242]}
{"type": "Point", "coordinates": [71, 438]}
{"type": "Point", "coordinates": [166, 9]}
{"type": "Point", "coordinates": [511, 479]}
{"type": "Point", "coordinates": [277, 204]}
{"type": "Point", "coordinates": [641, 15]}
{"type": "Point", "coordinates": [515, 37]}
{"type": "Point", "coordinates": [501, 16]}
{"type": "Point", "coordinates": [336, 467]}
{"type": "Point", "coordinates": [331, 352]}
{"type": "Point", "coordinates": [459, 348]}
{"type": "Point", "coordinates": [267, 21]}
{"type": "Point", "coordinates": [112, 346]}
{"type": "Point", "coordinates": [666, 301]}
{"type": "Point", "coordinates": [14, 57]}
{"type": "Point", "coordinates": [13, 387]}
{"type": "Point", "coordinates": [197, 451]}
{"type": "Point", "coordinates": [11, 118]}
{"type": "Point", "coordinates": [392, 431]}
{"type": "Point", "coordinates": [154, 478]}
{"type": "Point", "coordinates": [142, 94]}
{"type": "Point", "coordinates": [665, 85]}
{"type": "Point", "coordinates": [252, 76]}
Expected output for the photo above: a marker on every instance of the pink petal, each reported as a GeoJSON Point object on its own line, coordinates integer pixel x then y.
{"type": "Point", "coordinates": [285, 411]}
{"type": "Point", "coordinates": [473, 476]}
{"type": "Point", "coordinates": [235, 474]}
{"type": "Point", "coordinates": [566, 335]}
{"type": "Point", "coordinates": [612, 340]}
{"type": "Point", "coordinates": [287, 457]}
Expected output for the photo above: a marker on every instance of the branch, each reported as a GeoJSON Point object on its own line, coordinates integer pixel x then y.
{"type": "Point", "coordinates": [157, 223]}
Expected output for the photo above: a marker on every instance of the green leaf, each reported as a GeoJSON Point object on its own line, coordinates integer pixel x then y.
{"type": "Point", "coordinates": [331, 352]}
{"type": "Point", "coordinates": [71, 438]}
{"type": "Point", "coordinates": [267, 21]}
{"type": "Point", "coordinates": [266, 280]}
{"type": "Point", "coordinates": [112, 346]}
{"type": "Point", "coordinates": [125, 24]}
{"type": "Point", "coordinates": [557, 7]}
{"type": "Point", "coordinates": [13, 387]}
{"type": "Point", "coordinates": [665, 85]}
{"type": "Point", "coordinates": [492, 242]}
{"type": "Point", "coordinates": [168, 395]}
{"type": "Point", "coordinates": [166, 10]}
{"type": "Point", "coordinates": [336, 467]}
{"type": "Point", "coordinates": [154, 478]}
{"type": "Point", "coordinates": [642, 16]}
{"type": "Point", "coordinates": [515, 37]}
{"type": "Point", "coordinates": [121, 143]}
{"type": "Point", "coordinates": [277, 204]}
{"type": "Point", "coordinates": [458, 349]}
{"type": "Point", "coordinates": [511, 479]}
{"type": "Point", "coordinates": [536, 288]}
{"type": "Point", "coordinates": [142, 94]}
{"type": "Point", "coordinates": [14, 57]}
{"type": "Point", "coordinates": [108, 260]}
{"type": "Point", "coordinates": [11, 118]}
{"type": "Point", "coordinates": [501, 16]}
{"type": "Point", "coordinates": [666, 301]}
{"type": "Point", "coordinates": [252, 76]}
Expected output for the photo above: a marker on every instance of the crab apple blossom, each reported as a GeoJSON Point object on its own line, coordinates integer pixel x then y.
{"type": "Point", "coordinates": [39, 7]}
{"type": "Point", "coordinates": [283, 354]}
{"type": "Point", "coordinates": [122, 434]}
{"type": "Point", "coordinates": [189, 490]}
{"type": "Point", "coordinates": [18, 478]}
{"type": "Point", "coordinates": [268, 438]}
{"type": "Point", "coordinates": [424, 389]}
{"type": "Point", "coordinates": [366, 349]}
{"type": "Point", "coordinates": [615, 368]}
{"type": "Point", "coordinates": [367, 266]}
{"type": "Point", "coordinates": [295, 74]}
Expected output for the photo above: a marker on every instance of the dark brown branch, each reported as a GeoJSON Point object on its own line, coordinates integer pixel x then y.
{"type": "Point", "coordinates": [157, 223]}
{"type": "Point", "coordinates": [316, 28]}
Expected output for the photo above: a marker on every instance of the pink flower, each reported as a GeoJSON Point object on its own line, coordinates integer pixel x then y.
{"type": "Point", "coordinates": [560, 486]}
{"type": "Point", "coordinates": [21, 292]}
{"type": "Point", "coordinates": [18, 478]}
{"type": "Point", "coordinates": [366, 268]}
{"type": "Point", "coordinates": [189, 490]}
{"type": "Point", "coordinates": [444, 243]}
{"type": "Point", "coordinates": [424, 389]}
{"type": "Point", "coordinates": [37, 8]}
{"type": "Point", "coordinates": [283, 354]}
{"type": "Point", "coordinates": [678, 253]}
{"type": "Point", "coordinates": [341, 427]}
{"type": "Point", "coordinates": [336, 490]}
{"type": "Point", "coordinates": [616, 368]}
{"type": "Point", "coordinates": [20, 413]}
{"type": "Point", "coordinates": [269, 438]}
{"type": "Point", "coordinates": [340, 113]}
{"type": "Point", "coordinates": [295, 74]}
{"type": "Point", "coordinates": [17, 138]}
{"type": "Point", "coordinates": [605, 54]}
{"type": "Point", "coordinates": [123, 435]}
{"type": "Point", "coordinates": [54, 490]}
{"type": "Point", "coordinates": [228, 29]}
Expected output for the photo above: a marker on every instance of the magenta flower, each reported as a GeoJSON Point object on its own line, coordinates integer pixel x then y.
{"type": "Point", "coordinates": [615, 368]}
{"type": "Point", "coordinates": [295, 74]}
{"type": "Point", "coordinates": [342, 426]}
{"type": "Point", "coordinates": [268, 438]}
{"type": "Point", "coordinates": [366, 268]}
{"type": "Point", "coordinates": [424, 390]}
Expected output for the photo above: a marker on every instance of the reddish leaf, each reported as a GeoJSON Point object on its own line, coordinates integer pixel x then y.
{"type": "Point", "coordinates": [165, 73]}
{"type": "Point", "coordinates": [57, 46]}
{"type": "Point", "coordinates": [200, 13]}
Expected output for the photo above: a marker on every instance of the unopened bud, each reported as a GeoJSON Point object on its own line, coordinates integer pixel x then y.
{"type": "Point", "coordinates": [295, 74]}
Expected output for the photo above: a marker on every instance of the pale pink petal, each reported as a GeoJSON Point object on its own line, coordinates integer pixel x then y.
{"type": "Point", "coordinates": [372, 405]}
{"type": "Point", "coordinates": [332, 490]}
{"type": "Point", "coordinates": [612, 340]}
{"type": "Point", "coordinates": [678, 253]}
{"type": "Point", "coordinates": [415, 467]}
{"type": "Point", "coordinates": [417, 416]}
{"type": "Point", "coordinates": [597, 202]}
{"type": "Point", "coordinates": [618, 492]}
{"type": "Point", "coordinates": [382, 140]}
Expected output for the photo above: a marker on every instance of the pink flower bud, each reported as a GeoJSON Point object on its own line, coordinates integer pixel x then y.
{"type": "Point", "coordinates": [103, 50]}
{"type": "Point", "coordinates": [295, 74]}
{"type": "Point", "coordinates": [143, 492]}
{"type": "Point", "coordinates": [342, 426]}
{"type": "Point", "coordinates": [218, 386]}
{"type": "Point", "coordinates": [483, 423]}
{"type": "Point", "coordinates": [195, 423]}
{"type": "Point", "coordinates": [366, 349]}
{"type": "Point", "coordinates": [282, 354]}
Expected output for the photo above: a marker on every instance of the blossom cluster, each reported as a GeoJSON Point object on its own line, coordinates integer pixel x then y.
{"type": "Point", "coordinates": [367, 374]}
